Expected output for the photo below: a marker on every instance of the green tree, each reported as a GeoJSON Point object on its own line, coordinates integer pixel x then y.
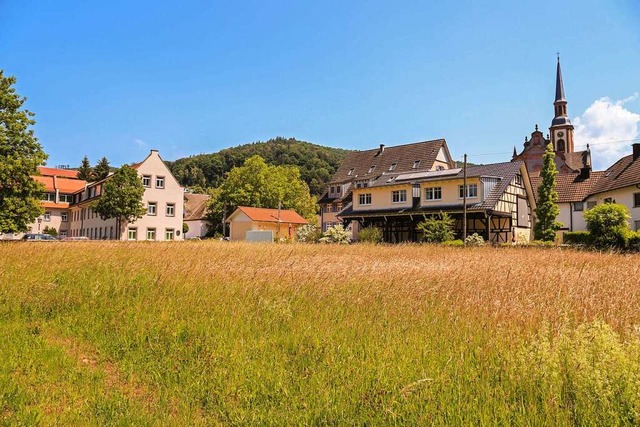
{"type": "Point", "coordinates": [547, 211]}
{"type": "Point", "coordinates": [608, 225]}
{"type": "Point", "coordinates": [122, 198]}
{"type": "Point", "coordinates": [20, 156]}
{"type": "Point", "coordinates": [50, 231]}
{"type": "Point", "coordinates": [101, 169]}
{"type": "Point", "coordinates": [437, 228]}
{"type": "Point", "coordinates": [370, 235]}
{"type": "Point", "coordinates": [85, 171]}
{"type": "Point", "coordinates": [261, 185]}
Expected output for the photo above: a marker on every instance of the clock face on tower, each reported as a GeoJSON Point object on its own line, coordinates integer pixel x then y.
{"type": "Point", "coordinates": [560, 134]}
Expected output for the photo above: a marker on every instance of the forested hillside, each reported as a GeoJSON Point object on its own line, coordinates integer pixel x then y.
{"type": "Point", "coordinates": [317, 163]}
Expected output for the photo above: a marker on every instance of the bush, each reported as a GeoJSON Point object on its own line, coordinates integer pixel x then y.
{"type": "Point", "coordinates": [309, 233]}
{"type": "Point", "coordinates": [453, 243]}
{"type": "Point", "coordinates": [185, 228]}
{"type": "Point", "coordinates": [336, 234]}
{"type": "Point", "coordinates": [633, 241]}
{"type": "Point", "coordinates": [50, 231]}
{"type": "Point", "coordinates": [370, 235]}
{"type": "Point", "coordinates": [541, 243]}
{"type": "Point", "coordinates": [577, 238]}
{"type": "Point", "coordinates": [608, 225]}
{"type": "Point", "coordinates": [474, 240]}
{"type": "Point", "coordinates": [437, 228]}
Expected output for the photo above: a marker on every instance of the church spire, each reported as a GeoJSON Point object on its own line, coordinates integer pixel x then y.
{"type": "Point", "coordinates": [561, 129]}
{"type": "Point", "coordinates": [559, 84]}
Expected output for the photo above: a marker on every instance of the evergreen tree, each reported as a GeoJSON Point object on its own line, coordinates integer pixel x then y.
{"type": "Point", "coordinates": [547, 211]}
{"type": "Point", "coordinates": [101, 170]}
{"type": "Point", "coordinates": [85, 171]}
{"type": "Point", "coordinates": [20, 156]}
{"type": "Point", "coordinates": [122, 198]}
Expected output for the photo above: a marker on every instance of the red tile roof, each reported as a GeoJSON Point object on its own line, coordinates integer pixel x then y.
{"type": "Point", "coordinates": [571, 187]}
{"type": "Point", "coordinates": [67, 173]}
{"type": "Point", "coordinates": [271, 215]}
{"type": "Point", "coordinates": [65, 186]}
{"type": "Point", "coordinates": [623, 173]}
{"type": "Point", "coordinates": [50, 205]}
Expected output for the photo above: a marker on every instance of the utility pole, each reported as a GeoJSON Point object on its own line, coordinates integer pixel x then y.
{"type": "Point", "coordinates": [279, 208]}
{"type": "Point", "coordinates": [224, 220]}
{"type": "Point", "coordinates": [464, 201]}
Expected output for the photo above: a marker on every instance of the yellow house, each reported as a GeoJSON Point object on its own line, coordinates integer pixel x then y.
{"type": "Point", "coordinates": [499, 200]}
{"type": "Point", "coordinates": [281, 222]}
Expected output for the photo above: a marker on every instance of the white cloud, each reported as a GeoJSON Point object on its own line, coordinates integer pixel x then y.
{"type": "Point", "coordinates": [602, 123]}
{"type": "Point", "coordinates": [140, 143]}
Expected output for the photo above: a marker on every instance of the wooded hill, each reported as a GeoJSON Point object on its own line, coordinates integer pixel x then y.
{"type": "Point", "coordinates": [316, 163]}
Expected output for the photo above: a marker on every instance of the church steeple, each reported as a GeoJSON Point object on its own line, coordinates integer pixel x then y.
{"type": "Point", "coordinates": [561, 128]}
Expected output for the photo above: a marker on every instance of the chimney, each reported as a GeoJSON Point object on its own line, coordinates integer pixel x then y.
{"type": "Point", "coordinates": [381, 149]}
{"type": "Point", "coordinates": [636, 151]}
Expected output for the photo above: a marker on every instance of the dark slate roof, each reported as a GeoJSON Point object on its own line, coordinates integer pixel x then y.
{"type": "Point", "coordinates": [505, 171]}
{"type": "Point", "coordinates": [402, 155]}
{"type": "Point", "coordinates": [559, 84]}
{"type": "Point", "coordinates": [623, 173]}
{"type": "Point", "coordinates": [195, 206]}
{"type": "Point", "coordinates": [571, 187]}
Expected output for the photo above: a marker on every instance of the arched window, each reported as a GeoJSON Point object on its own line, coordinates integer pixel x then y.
{"type": "Point", "coordinates": [560, 145]}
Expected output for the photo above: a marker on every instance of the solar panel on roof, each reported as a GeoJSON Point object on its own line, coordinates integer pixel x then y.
{"type": "Point", "coordinates": [430, 174]}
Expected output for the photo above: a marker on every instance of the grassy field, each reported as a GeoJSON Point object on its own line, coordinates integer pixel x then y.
{"type": "Point", "coordinates": [207, 333]}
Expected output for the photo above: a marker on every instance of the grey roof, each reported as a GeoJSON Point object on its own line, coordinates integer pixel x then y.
{"type": "Point", "coordinates": [559, 84]}
{"type": "Point", "coordinates": [195, 206]}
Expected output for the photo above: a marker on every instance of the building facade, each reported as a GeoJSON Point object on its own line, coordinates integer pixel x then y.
{"type": "Point", "coordinates": [361, 168]}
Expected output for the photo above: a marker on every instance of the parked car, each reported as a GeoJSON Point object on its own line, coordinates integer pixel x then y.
{"type": "Point", "coordinates": [75, 238]}
{"type": "Point", "coordinates": [39, 237]}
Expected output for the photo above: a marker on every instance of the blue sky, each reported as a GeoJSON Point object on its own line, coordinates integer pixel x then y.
{"type": "Point", "coordinates": [117, 78]}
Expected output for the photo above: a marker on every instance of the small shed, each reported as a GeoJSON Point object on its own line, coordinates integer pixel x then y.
{"type": "Point", "coordinates": [195, 209]}
{"type": "Point", "coordinates": [282, 222]}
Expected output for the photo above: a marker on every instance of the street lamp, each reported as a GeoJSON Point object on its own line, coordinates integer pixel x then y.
{"type": "Point", "coordinates": [39, 222]}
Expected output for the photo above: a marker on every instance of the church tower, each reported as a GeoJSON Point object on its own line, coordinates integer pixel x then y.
{"type": "Point", "coordinates": [561, 129]}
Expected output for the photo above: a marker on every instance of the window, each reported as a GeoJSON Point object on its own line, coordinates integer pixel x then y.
{"type": "Point", "coordinates": [64, 216]}
{"type": "Point", "coordinates": [338, 189]}
{"type": "Point", "coordinates": [328, 208]}
{"type": "Point", "coordinates": [439, 168]}
{"type": "Point", "coordinates": [472, 191]}
{"type": "Point", "coordinates": [578, 206]}
{"type": "Point", "coordinates": [133, 234]}
{"type": "Point", "coordinates": [364, 199]}
{"type": "Point", "coordinates": [372, 168]}
{"type": "Point", "coordinates": [332, 190]}
{"type": "Point", "coordinates": [392, 167]}
{"type": "Point", "coordinates": [62, 234]}
{"type": "Point", "coordinates": [168, 234]}
{"type": "Point", "coordinates": [608, 200]}
{"type": "Point", "coordinates": [159, 181]}
{"type": "Point", "coordinates": [49, 197]}
{"type": "Point", "coordinates": [151, 234]}
{"type": "Point", "coordinates": [399, 196]}
{"type": "Point", "coordinates": [519, 179]}
{"type": "Point", "coordinates": [416, 164]}
{"type": "Point", "coordinates": [433, 193]}
{"type": "Point", "coordinates": [151, 208]}
{"type": "Point", "coordinates": [636, 200]}
{"type": "Point", "coordinates": [171, 209]}
{"type": "Point", "coordinates": [66, 198]}
{"type": "Point", "coordinates": [146, 180]}
{"type": "Point", "coordinates": [47, 216]}
{"type": "Point", "coordinates": [591, 204]}
{"type": "Point", "coordinates": [351, 171]}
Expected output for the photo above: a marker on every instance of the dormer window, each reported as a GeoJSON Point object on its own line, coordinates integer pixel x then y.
{"type": "Point", "coordinates": [351, 171]}
{"type": "Point", "coordinates": [416, 164]}
{"type": "Point", "coordinates": [439, 168]}
{"type": "Point", "coordinates": [372, 168]}
{"type": "Point", "coordinates": [392, 167]}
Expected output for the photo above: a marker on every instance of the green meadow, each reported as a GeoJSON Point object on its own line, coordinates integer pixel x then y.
{"type": "Point", "coordinates": [218, 333]}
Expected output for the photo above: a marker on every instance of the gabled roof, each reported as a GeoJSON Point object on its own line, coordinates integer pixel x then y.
{"type": "Point", "coordinates": [623, 173]}
{"type": "Point", "coordinates": [195, 206]}
{"type": "Point", "coordinates": [578, 160]}
{"type": "Point", "coordinates": [571, 187]}
{"type": "Point", "coordinates": [66, 173]}
{"type": "Point", "coordinates": [403, 156]}
{"type": "Point", "coordinates": [270, 215]}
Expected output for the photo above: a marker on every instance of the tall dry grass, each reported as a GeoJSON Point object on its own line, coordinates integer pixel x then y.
{"type": "Point", "coordinates": [233, 333]}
